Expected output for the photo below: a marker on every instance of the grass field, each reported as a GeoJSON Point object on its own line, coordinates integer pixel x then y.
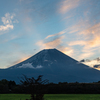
{"type": "Point", "coordinates": [52, 96]}
{"type": "Point", "coordinates": [14, 96]}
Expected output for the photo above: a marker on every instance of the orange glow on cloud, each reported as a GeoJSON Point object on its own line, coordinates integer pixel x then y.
{"type": "Point", "coordinates": [67, 50]}
{"type": "Point", "coordinates": [56, 43]}
{"type": "Point", "coordinates": [60, 33]}
{"type": "Point", "coordinates": [51, 44]}
{"type": "Point", "coordinates": [91, 38]}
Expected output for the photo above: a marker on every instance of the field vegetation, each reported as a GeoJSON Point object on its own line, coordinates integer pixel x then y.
{"type": "Point", "coordinates": [52, 96]}
{"type": "Point", "coordinates": [14, 96]}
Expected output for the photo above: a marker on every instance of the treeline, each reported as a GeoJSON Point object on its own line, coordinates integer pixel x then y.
{"type": "Point", "coordinates": [52, 88]}
{"type": "Point", "coordinates": [7, 86]}
{"type": "Point", "coordinates": [74, 88]}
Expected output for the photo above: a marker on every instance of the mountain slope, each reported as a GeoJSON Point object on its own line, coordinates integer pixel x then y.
{"type": "Point", "coordinates": [54, 65]}
{"type": "Point", "coordinates": [47, 58]}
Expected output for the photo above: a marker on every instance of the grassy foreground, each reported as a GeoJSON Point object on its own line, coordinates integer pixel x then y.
{"type": "Point", "coordinates": [52, 96]}
{"type": "Point", "coordinates": [14, 96]}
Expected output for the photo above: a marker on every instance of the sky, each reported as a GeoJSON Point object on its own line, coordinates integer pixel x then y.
{"type": "Point", "coordinates": [28, 26]}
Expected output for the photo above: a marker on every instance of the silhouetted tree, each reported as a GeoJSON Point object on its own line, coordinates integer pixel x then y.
{"type": "Point", "coordinates": [36, 87]}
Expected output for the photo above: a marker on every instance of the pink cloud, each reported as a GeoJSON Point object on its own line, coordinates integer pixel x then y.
{"type": "Point", "coordinates": [50, 44]}
{"type": "Point", "coordinates": [60, 33]}
{"type": "Point", "coordinates": [67, 5]}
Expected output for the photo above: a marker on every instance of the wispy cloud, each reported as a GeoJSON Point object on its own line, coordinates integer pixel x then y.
{"type": "Point", "coordinates": [88, 38]}
{"type": "Point", "coordinates": [60, 33]}
{"type": "Point", "coordinates": [37, 11]}
{"type": "Point", "coordinates": [93, 34]}
{"type": "Point", "coordinates": [85, 55]}
{"type": "Point", "coordinates": [77, 43]}
{"type": "Point", "coordinates": [11, 37]}
{"type": "Point", "coordinates": [67, 5]}
{"type": "Point", "coordinates": [51, 44]}
{"type": "Point", "coordinates": [86, 28]}
{"type": "Point", "coordinates": [92, 30]}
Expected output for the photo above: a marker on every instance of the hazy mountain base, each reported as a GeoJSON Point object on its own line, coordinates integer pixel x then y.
{"type": "Point", "coordinates": [53, 75]}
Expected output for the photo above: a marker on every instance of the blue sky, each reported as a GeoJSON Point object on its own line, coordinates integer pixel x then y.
{"type": "Point", "coordinates": [28, 26]}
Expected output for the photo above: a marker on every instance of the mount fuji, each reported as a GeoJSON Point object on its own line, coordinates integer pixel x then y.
{"type": "Point", "coordinates": [54, 66]}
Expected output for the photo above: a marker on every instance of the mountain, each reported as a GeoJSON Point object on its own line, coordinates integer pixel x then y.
{"type": "Point", "coordinates": [54, 66]}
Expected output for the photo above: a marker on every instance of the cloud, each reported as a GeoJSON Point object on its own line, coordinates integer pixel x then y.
{"type": "Point", "coordinates": [92, 30]}
{"type": "Point", "coordinates": [6, 27]}
{"type": "Point", "coordinates": [87, 38]}
{"type": "Point", "coordinates": [51, 44]}
{"type": "Point", "coordinates": [29, 65]}
{"type": "Point", "coordinates": [56, 42]}
{"type": "Point", "coordinates": [11, 37]}
{"type": "Point", "coordinates": [77, 43]}
{"type": "Point", "coordinates": [85, 55]}
{"type": "Point", "coordinates": [39, 66]}
{"type": "Point", "coordinates": [87, 49]}
{"type": "Point", "coordinates": [7, 22]}
{"type": "Point", "coordinates": [52, 41]}
{"type": "Point", "coordinates": [95, 63]}
{"type": "Point", "coordinates": [60, 33]}
{"type": "Point", "coordinates": [97, 66]}
{"type": "Point", "coordinates": [92, 35]}
{"type": "Point", "coordinates": [67, 5]}
{"type": "Point", "coordinates": [67, 50]}
{"type": "Point", "coordinates": [86, 31]}
{"type": "Point", "coordinates": [8, 18]}
{"type": "Point", "coordinates": [37, 11]}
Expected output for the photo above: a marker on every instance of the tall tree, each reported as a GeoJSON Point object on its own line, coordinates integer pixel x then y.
{"type": "Point", "coordinates": [36, 87]}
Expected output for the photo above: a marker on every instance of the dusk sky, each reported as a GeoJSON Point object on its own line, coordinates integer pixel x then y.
{"type": "Point", "coordinates": [28, 26]}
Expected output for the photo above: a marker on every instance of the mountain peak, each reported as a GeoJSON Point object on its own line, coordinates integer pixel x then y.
{"type": "Point", "coordinates": [55, 66]}
{"type": "Point", "coordinates": [49, 50]}
{"type": "Point", "coordinates": [45, 58]}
